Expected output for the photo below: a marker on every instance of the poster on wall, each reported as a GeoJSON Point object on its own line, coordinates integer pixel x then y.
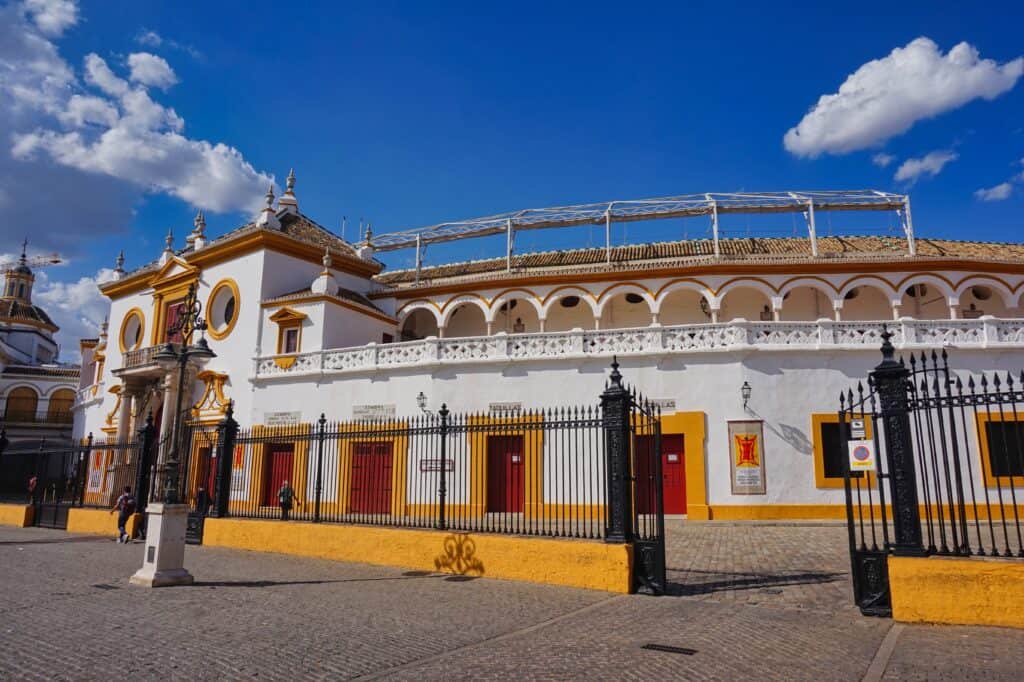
{"type": "Point", "coordinates": [746, 457]}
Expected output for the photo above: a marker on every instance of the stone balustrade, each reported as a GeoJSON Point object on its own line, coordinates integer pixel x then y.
{"type": "Point", "coordinates": [985, 332]}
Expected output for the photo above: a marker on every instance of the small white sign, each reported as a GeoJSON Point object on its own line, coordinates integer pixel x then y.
{"type": "Point", "coordinates": [862, 455]}
{"type": "Point", "coordinates": [673, 458]}
{"type": "Point", "coordinates": [505, 408]}
{"type": "Point", "coordinates": [857, 431]}
{"type": "Point", "coordinates": [281, 418]}
{"type": "Point", "coordinates": [362, 413]}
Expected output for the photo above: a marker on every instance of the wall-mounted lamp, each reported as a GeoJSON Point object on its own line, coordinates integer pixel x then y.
{"type": "Point", "coordinates": [421, 402]}
{"type": "Point", "coordinates": [745, 391]}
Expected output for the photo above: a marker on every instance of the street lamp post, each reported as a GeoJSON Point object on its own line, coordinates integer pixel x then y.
{"type": "Point", "coordinates": [165, 538]}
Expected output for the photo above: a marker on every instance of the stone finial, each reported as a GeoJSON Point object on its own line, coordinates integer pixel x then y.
{"type": "Point", "coordinates": [325, 282]}
{"type": "Point", "coordinates": [267, 217]}
{"type": "Point", "coordinates": [199, 224]}
{"type": "Point", "coordinates": [119, 262]}
{"type": "Point", "coordinates": [369, 233]}
{"type": "Point", "coordinates": [288, 202]}
{"type": "Point", "coordinates": [168, 252]}
{"type": "Point", "coordinates": [103, 329]}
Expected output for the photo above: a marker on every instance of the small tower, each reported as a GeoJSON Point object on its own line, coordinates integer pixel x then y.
{"type": "Point", "coordinates": [19, 279]}
{"type": "Point", "coordinates": [325, 282]}
{"type": "Point", "coordinates": [168, 252]}
{"type": "Point", "coordinates": [365, 250]}
{"type": "Point", "coordinates": [199, 231]}
{"type": "Point", "coordinates": [267, 217]}
{"type": "Point", "coordinates": [119, 265]}
{"type": "Point", "coordinates": [288, 203]}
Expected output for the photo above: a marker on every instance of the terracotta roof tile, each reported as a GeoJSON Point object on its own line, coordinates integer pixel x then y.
{"type": "Point", "coordinates": [773, 249]}
{"type": "Point", "coordinates": [13, 310]}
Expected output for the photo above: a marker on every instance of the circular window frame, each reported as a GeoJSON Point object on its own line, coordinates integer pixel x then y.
{"type": "Point", "coordinates": [134, 312]}
{"type": "Point", "coordinates": [219, 334]}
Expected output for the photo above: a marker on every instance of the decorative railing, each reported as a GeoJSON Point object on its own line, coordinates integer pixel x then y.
{"type": "Point", "coordinates": [985, 332]}
{"type": "Point", "coordinates": [142, 357]}
{"type": "Point", "coordinates": [87, 393]}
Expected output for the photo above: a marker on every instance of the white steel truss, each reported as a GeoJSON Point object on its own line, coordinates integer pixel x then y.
{"type": "Point", "coordinates": [690, 205]}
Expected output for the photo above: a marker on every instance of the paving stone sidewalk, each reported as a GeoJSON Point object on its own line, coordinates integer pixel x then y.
{"type": "Point", "coordinates": [765, 602]}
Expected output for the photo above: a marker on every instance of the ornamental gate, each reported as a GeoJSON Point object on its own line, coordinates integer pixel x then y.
{"type": "Point", "coordinates": [948, 455]}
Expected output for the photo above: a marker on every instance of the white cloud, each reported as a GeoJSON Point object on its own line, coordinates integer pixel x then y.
{"type": "Point", "coordinates": [149, 69]}
{"type": "Point", "coordinates": [52, 17]}
{"type": "Point", "coordinates": [151, 38]}
{"type": "Point", "coordinates": [115, 129]}
{"type": "Point", "coordinates": [882, 160]}
{"type": "Point", "coordinates": [997, 193]}
{"type": "Point", "coordinates": [886, 97]}
{"type": "Point", "coordinates": [930, 164]}
{"type": "Point", "coordinates": [77, 307]}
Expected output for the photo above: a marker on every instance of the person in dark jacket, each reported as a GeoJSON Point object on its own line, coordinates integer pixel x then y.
{"type": "Point", "coordinates": [286, 498]}
{"type": "Point", "coordinates": [125, 507]}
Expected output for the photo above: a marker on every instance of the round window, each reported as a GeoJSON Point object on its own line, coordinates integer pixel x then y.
{"type": "Point", "coordinates": [131, 330]}
{"type": "Point", "coordinates": [222, 309]}
{"type": "Point", "coordinates": [569, 302]}
{"type": "Point", "coordinates": [634, 298]}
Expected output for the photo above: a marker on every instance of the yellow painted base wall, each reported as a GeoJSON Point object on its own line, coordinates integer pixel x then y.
{"type": "Point", "coordinates": [591, 565]}
{"type": "Point", "coordinates": [19, 515]}
{"type": "Point", "coordinates": [957, 591]}
{"type": "Point", "coordinates": [98, 522]}
{"type": "Point", "coordinates": [777, 512]}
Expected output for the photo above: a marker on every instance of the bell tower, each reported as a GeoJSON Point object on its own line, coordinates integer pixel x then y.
{"type": "Point", "coordinates": [19, 279]}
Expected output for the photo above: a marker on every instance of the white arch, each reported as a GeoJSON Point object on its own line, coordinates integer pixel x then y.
{"type": "Point", "coordinates": [685, 285]}
{"type": "Point", "coordinates": [22, 384]}
{"type": "Point", "coordinates": [53, 389]}
{"type": "Point", "coordinates": [453, 304]}
{"type": "Point", "coordinates": [810, 283]}
{"type": "Point", "coordinates": [884, 286]}
{"type": "Point", "coordinates": [517, 295]}
{"type": "Point", "coordinates": [746, 284]}
{"type": "Point", "coordinates": [410, 308]}
{"type": "Point", "coordinates": [625, 288]}
{"type": "Point", "coordinates": [571, 290]}
{"type": "Point", "coordinates": [1009, 298]}
{"type": "Point", "coordinates": [925, 278]}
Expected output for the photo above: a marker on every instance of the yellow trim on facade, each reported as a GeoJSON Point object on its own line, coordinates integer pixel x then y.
{"type": "Point", "coordinates": [691, 425]}
{"type": "Point", "coordinates": [227, 282]}
{"type": "Point", "coordinates": [393, 433]}
{"type": "Point", "coordinates": [957, 591]}
{"type": "Point", "coordinates": [820, 480]}
{"type": "Point", "coordinates": [340, 302]}
{"type": "Point", "coordinates": [99, 522]}
{"type": "Point", "coordinates": [134, 312]}
{"type": "Point", "coordinates": [17, 515]}
{"type": "Point", "coordinates": [297, 435]}
{"type": "Point", "coordinates": [983, 419]}
{"type": "Point", "coordinates": [571, 563]}
{"type": "Point", "coordinates": [533, 460]}
{"type": "Point", "coordinates": [286, 319]}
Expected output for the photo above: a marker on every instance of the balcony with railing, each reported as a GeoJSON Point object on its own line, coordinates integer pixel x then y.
{"type": "Point", "coordinates": [15, 416]}
{"type": "Point", "coordinates": [141, 359]}
{"type": "Point", "coordinates": [986, 332]}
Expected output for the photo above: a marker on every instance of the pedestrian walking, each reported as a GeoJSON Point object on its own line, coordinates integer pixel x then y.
{"type": "Point", "coordinates": [285, 498]}
{"type": "Point", "coordinates": [125, 507]}
{"type": "Point", "coordinates": [32, 482]}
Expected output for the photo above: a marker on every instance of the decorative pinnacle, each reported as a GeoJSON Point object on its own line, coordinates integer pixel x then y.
{"type": "Point", "coordinates": [120, 262]}
{"type": "Point", "coordinates": [103, 327]}
{"type": "Point", "coordinates": [199, 223]}
{"type": "Point", "coordinates": [327, 258]}
{"type": "Point", "coordinates": [887, 348]}
{"type": "Point", "coordinates": [616, 377]}
{"type": "Point", "coordinates": [270, 195]}
{"type": "Point", "coordinates": [169, 240]}
{"type": "Point", "coordinates": [290, 183]}
{"type": "Point", "coordinates": [24, 249]}
{"type": "Point", "coordinates": [369, 233]}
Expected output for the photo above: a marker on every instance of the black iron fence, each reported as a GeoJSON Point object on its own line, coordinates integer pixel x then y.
{"type": "Point", "coordinates": [532, 472]}
{"type": "Point", "coordinates": [948, 453]}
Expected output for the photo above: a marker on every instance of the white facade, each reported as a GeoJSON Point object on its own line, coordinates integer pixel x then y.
{"type": "Point", "coordinates": [798, 329]}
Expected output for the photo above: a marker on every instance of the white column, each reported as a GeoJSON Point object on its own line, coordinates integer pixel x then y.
{"type": "Point", "coordinates": [124, 415]}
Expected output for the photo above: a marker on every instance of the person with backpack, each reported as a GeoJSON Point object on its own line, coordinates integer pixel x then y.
{"type": "Point", "coordinates": [285, 498]}
{"type": "Point", "coordinates": [125, 507]}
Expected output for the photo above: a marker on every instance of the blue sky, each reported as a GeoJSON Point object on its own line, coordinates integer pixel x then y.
{"type": "Point", "coordinates": [413, 113]}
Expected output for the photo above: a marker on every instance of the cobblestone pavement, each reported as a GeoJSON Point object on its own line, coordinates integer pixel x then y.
{"type": "Point", "coordinates": [765, 602]}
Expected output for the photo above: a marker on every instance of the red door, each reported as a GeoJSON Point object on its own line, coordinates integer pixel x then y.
{"type": "Point", "coordinates": [277, 468]}
{"type": "Point", "coordinates": [506, 478]}
{"type": "Point", "coordinates": [673, 474]}
{"type": "Point", "coordinates": [371, 478]}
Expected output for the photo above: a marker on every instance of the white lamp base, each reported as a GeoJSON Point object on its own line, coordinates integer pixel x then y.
{"type": "Point", "coordinates": [164, 561]}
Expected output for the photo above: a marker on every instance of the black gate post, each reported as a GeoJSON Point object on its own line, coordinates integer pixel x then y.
{"type": "Point", "coordinates": [890, 379]}
{"type": "Point", "coordinates": [442, 490]}
{"type": "Point", "coordinates": [227, 431]}
{"type": "Point", "coordinates": [615, 408]}
{"type": "Point", "coordinates": [146, 437]}
{"type": "Point", "coordinates": [318, 490]}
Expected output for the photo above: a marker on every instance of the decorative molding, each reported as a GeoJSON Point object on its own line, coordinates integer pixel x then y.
{"type": "Point", "coordinates": [212, 405]}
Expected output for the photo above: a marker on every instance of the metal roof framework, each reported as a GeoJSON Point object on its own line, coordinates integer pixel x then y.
{"type": "Point", "coordinates": [685, 206]}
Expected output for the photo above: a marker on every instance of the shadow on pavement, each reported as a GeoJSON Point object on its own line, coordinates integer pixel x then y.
{"type": "Point", "coordinates": [52, 541]}
{"type": "Point", "coordinates": [275, 583]}
{"type": "Point", "coordinates": [745, 581]}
